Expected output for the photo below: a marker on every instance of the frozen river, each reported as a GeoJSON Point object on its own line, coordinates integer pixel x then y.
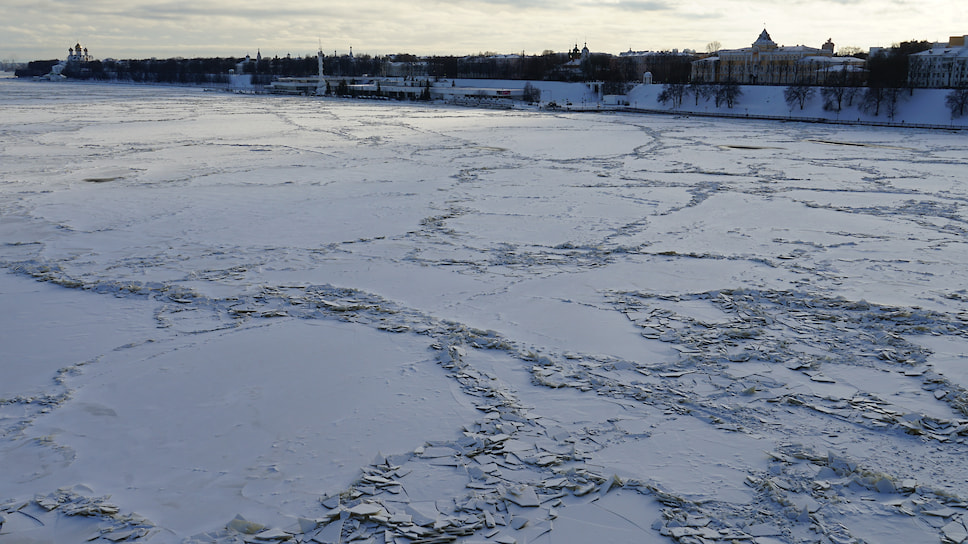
{"type": "Point", "coordinates": [239, 316]}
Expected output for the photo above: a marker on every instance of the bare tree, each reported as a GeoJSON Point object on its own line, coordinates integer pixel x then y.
{"type": "Point", "coordinates": [798, 93]}
{"type": "Point", "coordinates": [849, 51]}
{"type": "Point", "coordinates": [833, 97]}
{"type": "Point", "coordinates": [727, 92]}
{"type": "Point", "coordinates": [531, 93]}
{"type": "Point", "coordinates": [850, 94]}
{"type": "Point", "coordinates": [833, 91]}
{"type": "Point", "coordinates": [713, 47]}
{"type": "Point", "coordinates": [698, 89]}
{"type": "Point", "coordinates": [957, 101]}
{"type": "Point", "coordinates": [872, 100]}
{"type": "Point", "coordinates": [672, 93]}
{"type": "Point", "coordinates": [893, 96]}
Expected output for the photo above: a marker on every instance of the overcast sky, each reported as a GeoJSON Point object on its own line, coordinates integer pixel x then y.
{"type": "Point", "coordinates": [44, 29]}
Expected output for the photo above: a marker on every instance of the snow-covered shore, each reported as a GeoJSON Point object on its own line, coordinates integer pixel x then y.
{"type": "Point", "coordinates": [918, 107]}
{"type": "Point", "coordinates": [924, 107]}
{"type": "Point", "coordinates": [393, 322]}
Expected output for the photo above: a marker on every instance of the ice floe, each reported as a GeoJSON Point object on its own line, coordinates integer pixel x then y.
{"type": "Point", "coordinates": [262, 319]}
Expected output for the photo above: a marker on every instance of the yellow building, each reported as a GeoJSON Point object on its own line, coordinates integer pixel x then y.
{"type": "Point", "coordinates": [766, 63]}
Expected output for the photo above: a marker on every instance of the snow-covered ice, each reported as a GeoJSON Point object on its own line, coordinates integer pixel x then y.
{"type": "Point", "coordinates": [265, 319]}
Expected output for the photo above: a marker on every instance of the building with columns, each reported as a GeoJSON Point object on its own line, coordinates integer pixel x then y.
{"type": "Point", "coordinates": [766, 63]}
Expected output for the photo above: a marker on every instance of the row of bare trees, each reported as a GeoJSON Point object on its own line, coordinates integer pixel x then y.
{"type": "Point", "coordinates": [873, 100]}
{"type": "Point", "coordinates": [726, 93]}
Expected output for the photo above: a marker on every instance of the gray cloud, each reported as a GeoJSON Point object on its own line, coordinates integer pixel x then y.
{"type": "Point", "coordinates": [111, 28]}
{"type": "Point", "coordinates": [631, 5]}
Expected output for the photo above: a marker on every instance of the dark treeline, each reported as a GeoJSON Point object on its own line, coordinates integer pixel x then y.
{"type": "Point", "coordinates": [175, 70]}
{"type": "Point", "coordinates": [886, 68]}
{"type": "Point", "coordinates": [889, 67]}
{"type": "Point", "coordinates": [550, 66]}
{"type": "Point", "coordinates": [35, 68]}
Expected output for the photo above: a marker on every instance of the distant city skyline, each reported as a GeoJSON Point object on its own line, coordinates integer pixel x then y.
{"type": "Point", "coordinates": [33, 30]}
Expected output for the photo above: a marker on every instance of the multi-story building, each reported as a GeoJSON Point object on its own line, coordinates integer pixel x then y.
{"type": "Point", "coordinates": [767, 63]}
{"type": "Point", "coordinates": [942, 66]}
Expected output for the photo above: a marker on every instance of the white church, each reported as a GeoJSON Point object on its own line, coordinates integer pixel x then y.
{"type": "Point", "coordinates": [76, 54]}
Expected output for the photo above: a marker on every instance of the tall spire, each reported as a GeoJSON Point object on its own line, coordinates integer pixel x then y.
{"type": "Point", "coordinates": [320, 83]}
{"type": "Point", "coordinates": [765, 41]}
